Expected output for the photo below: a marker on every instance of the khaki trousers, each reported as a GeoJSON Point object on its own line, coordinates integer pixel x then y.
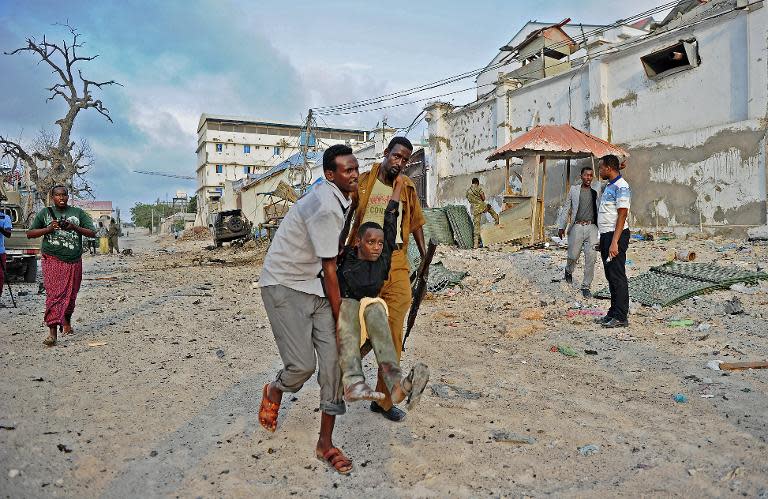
{"type": "Point", "coordinates": [477, 219]}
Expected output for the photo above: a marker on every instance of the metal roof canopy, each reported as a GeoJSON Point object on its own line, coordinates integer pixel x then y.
{"type": "Point", "coordinates": [557, 142]}
{"type": "Point", "coordinates": [544, 142]}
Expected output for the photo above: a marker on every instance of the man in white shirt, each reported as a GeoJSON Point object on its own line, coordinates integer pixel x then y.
{"type": "Point", "coordinates": [614, 239]}
{"type": "Point", "coordinates": [301, 295]}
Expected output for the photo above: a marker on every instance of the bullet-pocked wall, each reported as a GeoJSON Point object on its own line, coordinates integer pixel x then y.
{"type": "Point", "coordinates": [697, 137]}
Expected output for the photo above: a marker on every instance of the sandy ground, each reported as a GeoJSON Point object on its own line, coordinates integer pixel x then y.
{"type": "Point", "coordinates": [165, 403]}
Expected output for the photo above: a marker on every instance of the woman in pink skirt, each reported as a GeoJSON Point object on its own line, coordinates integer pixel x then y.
{"type": "Point", "coordinates": [62, 228]}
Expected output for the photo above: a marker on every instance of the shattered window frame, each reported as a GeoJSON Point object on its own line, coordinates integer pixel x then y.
{"type": "Point", "coordinates": [659, 63]}
{"type": "Point", "coordinates": [219, 147]}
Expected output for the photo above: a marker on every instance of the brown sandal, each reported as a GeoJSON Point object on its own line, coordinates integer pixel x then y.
{"type": "Point", "coordinates": [49, 341]}
{"type": "Point", "coordinates": [337, 459]}
{"type": "Point", "coordinates": [268, 411]}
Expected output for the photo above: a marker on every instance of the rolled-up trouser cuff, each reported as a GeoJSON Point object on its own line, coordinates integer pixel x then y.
{"type": "Point", "coordinates": [288, 388]}
{"type": "Point", "coordinates": [333, 408]}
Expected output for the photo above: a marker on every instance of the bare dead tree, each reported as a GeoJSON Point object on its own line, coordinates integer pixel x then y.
{"type": "Point", "coordinates": [66, 161]}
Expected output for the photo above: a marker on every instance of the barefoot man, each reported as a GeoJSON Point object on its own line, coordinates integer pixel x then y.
{"type": "Point", "coordinates": [62, 228]}
{"type": "Point", "coordinates": [302, 299]}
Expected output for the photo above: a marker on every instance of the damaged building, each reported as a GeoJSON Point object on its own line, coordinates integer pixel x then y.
{"type": "Point", "coordinates": [686, 97]}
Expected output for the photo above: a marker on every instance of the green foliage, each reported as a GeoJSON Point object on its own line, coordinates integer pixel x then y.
{"type": "Point", "coordinates": [141, 214]}
{"type": "Point", "coordinates": [192, 206]}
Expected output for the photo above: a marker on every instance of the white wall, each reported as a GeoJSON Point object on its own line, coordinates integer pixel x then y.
{"type": "Point", "coordinates": [697, 138]}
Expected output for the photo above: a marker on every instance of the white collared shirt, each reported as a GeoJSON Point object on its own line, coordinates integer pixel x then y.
{"type": "Point", "coordinates": [308, 233]}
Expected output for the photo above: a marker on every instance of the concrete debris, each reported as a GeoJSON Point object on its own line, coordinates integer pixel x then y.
{"type": "Point", "coordinates": [446, 391]}
{"type": "Point", "coordinates": [733, 306]}
{"type": "Point", "coordinates": [511, 438]}
{"type": "Point", "coordinates": [758, 233]}
{"type": "Point", "coordinates": [588, 450]}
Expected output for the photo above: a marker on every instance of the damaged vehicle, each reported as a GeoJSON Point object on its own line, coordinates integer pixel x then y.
{"type": "Point", "coordinates": [229, 226]}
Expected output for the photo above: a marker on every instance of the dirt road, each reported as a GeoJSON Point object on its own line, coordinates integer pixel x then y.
{"type": "Point", "coordinates": [157, 392]}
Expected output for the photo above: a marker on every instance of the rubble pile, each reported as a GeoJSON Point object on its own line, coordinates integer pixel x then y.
{"type": "Point", "coordinates": [196, 234]}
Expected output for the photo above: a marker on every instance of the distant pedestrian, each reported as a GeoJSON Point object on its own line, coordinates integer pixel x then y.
{"type": "Point", "coordinates": [112, 234]}
{"type": "Point", "coordinates": [614, 239]}
{"type": "Point", "coordinates": [62, 228]}
{"type": "Point", "coordinates": [101, 234]}
{"type": "Point", "coordinates": [476, 198]}
{"type": "Point", "coordinates": [5, 231]}
{"type": "Point", "coordinates": [581, 207]}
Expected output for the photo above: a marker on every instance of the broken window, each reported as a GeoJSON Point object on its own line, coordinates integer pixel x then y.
{"type": "Point", "coordinates": [219, 168]}
{"type": "Point", "coordinates": [679, 57]}
{"type": "Point", "coordinates": [219, 147]}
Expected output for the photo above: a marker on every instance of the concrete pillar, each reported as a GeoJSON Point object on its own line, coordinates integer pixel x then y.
{"type": "Point", "coordinates": [599, 109]}
{"type": "Point", "coordinates": [503, 123]}
{"type": "Point", "coordinates": [757, 64]}
{"type": "Point", "coordinates": [439, 132]}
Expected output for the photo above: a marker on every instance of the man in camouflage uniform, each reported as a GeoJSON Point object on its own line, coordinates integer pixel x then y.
{"type": "Point", "coordinates": [476, 198]}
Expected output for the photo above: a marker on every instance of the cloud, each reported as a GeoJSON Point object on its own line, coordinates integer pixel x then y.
{"type": "Point", "coordinates": [176, 60]}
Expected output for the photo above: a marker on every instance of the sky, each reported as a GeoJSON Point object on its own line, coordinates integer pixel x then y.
{"type": "Point", "coordinates": [271, 60]}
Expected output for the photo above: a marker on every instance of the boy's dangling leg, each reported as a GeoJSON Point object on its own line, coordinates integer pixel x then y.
{"type": "Point", "coordinates": [352, 377]}
{"type": "Point", "coordinates": [413, 385]}
{"type": "Point", "coordinates": [377, 325]}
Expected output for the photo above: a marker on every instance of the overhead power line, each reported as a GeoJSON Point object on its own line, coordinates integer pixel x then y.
{"type": "Point", "coordinates": [334, 109]}
{"type": "Point", "coordinates": [608, 49]}
{"type": "Point", "coordinates": [163, 174]}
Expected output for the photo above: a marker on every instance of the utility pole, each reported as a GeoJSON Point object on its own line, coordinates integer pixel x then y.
{"type": "Point", "coordinates": [307, 134]}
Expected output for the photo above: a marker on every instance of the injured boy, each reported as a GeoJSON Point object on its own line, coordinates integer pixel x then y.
{"type": "Point", "coordinates": [363, 269]}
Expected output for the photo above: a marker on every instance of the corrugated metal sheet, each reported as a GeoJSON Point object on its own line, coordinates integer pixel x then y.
{"type": "Point", "coordinates": [294, 161]}
{"type": "Point", "coordinates": [557, 141]}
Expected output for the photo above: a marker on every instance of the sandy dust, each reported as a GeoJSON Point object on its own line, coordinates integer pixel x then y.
{"type": "Point", "coordinates": [166, 403]}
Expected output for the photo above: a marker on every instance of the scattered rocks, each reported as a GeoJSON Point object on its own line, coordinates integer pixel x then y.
{"type": "Point", "coordinates": [733, 306]}
{"type": "Point", "coordinates": [506, 437]}
{"type": "Point", "coordinates": [448, 391]}
{"type": "Point", "coordinates": [589, 449]}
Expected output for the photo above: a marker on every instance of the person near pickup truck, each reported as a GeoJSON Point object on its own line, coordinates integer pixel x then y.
{"type": "Point", "coordinates": [62, 228]}
{"type": "Point", "coordinates": [5, 231]}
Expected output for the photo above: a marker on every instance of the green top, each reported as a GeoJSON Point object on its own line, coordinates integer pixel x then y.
{"type": "Point", "coordinates": [66, 245]}
{"type": "Point", "coordinates": [474, 196]}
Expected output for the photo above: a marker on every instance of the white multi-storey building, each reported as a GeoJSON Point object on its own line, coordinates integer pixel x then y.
{"type": "Point", "coordinates": [229, 148]}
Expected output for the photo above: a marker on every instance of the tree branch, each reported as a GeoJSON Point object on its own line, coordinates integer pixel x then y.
{"type": "Point", "coordinates": [65, 162]}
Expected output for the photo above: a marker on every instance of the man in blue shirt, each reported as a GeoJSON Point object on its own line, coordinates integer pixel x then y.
{"type": "Point", "coordinates": [5, 231]}
{"type": "Point", "coordinates": [614, 239]}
